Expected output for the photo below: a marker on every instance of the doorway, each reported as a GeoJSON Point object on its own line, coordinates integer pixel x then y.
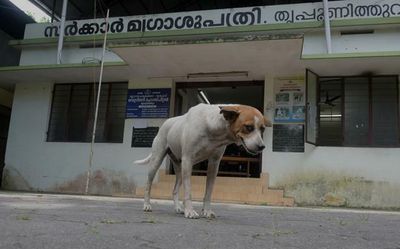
{"type": "Point", "coordinates": [5, 113]}
{"type": "Point", "coordinates": [236, 161]}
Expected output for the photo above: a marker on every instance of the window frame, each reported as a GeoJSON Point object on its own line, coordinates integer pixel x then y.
{"type": "Point", "coordinates": [308, 105]}
{"type": "Point", "coordinates": [370, 111]}
{"type": "Point", "coordinates": [88, 119]}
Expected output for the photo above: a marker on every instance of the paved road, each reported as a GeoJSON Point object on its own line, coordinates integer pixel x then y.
{"type": "Point", "coordinates": [63, 221]}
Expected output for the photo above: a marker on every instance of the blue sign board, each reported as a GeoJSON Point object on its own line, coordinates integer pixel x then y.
{"type": "Point", "coordinates": [148, 103]}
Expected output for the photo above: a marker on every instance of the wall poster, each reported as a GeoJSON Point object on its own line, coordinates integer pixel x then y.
{"type": "Point", "coordinates": [289, 101]}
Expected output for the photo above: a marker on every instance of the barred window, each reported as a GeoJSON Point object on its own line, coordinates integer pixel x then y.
{"type": "Point", "coordinates": [72, 113]}
{"type": "Point", "coordinates": [358, 111]}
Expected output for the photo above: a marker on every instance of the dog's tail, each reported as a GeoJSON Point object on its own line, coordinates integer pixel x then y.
{"type": "Point", "coordinates": [143, 161]}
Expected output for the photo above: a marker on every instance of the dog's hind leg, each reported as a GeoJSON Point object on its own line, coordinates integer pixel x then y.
{"type": "Point", "coordinates": [158, 154]}
{"type": "Point", "coordinates": [155, 164]}
{"type": "Point", "coordinates": [179, 209]}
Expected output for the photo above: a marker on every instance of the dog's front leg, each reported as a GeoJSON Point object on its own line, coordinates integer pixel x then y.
{"type": "Point", "coordinates": [187, 190]}
{"type": "Point", "coordinates": [212, 171]}
{"type": "Point", "coordinates": [179, 209]}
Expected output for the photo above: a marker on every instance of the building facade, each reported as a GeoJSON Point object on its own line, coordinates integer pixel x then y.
{"type": "Point", "coordinates": [12, 25]}
{"type": "Point", "coordinates": [333, 97]}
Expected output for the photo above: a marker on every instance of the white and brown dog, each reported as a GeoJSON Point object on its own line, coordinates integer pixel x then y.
{"type": "Point", "coordinates": [202, 134]}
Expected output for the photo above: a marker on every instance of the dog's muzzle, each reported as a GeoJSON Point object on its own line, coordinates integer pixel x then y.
{"type": "Point", "coordinates": [259, 147]}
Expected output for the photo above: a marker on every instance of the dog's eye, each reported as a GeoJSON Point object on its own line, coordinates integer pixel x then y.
{"type": "Point", "coordinates": [249, 128]}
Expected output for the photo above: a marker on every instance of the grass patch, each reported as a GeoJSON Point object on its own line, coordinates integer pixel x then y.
{"type": "Point", "coordinates": [110, 221]}
{"type": "Point", "coordinates": [23, 217]}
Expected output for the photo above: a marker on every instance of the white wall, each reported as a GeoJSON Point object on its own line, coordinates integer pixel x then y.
{"type": "Point", "coordinates": [376, 164]}
{"type": "Point", "coordinates": [44, 165]}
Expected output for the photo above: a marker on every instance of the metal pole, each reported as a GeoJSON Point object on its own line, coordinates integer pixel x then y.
{"type": "Point", "coordinates": [61, 31]}
{"type": "Point", "coordinates": [97, 106]}
{"type": "Point", "coordinates": [327, 27]}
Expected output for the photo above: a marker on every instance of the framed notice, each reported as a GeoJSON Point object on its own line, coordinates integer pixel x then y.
{"type": "Point", "coordinates": [143, 137]}
{"type": "Point", "coordinates": [148, 103]}
{"type": "Point", "coordinates": [288, 138]}
{"type": "Point", "coordinates": [289, 101]}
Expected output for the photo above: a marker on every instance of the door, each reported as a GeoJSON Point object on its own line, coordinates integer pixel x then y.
{"type": "Point", "coordinates": [312, 107]}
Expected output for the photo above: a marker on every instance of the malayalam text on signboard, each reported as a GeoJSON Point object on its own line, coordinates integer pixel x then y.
{"type": "Point", "coordinates": [148, 103]}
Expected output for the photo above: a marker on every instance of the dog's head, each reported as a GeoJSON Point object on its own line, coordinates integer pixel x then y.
{"type": "Point", "coordinates": [247, 125]}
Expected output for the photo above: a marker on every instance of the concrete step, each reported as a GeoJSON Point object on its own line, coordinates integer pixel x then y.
{"type": "Point", "coordinates": [226, 189]}
{"type": "Point", "coordinates": [263, 180]}
{"type": "Point", "coordinates": [258, 199]}
{"type": "Point", "coordinates": [243, 189]}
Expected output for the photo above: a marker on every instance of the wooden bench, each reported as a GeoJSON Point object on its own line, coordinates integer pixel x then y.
{"type": "Point", "coordinates": [235, 160]}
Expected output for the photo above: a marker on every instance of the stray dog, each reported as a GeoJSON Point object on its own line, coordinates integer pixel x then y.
{"type": "Point", "coordinates": [202, 134]}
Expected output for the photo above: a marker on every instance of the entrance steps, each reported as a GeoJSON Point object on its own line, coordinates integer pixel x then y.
{"type": "Point", "coordinates": [226, 189]}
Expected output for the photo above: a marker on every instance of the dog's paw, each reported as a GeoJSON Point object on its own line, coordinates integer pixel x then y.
{"type": "Point", "coordinates": [147, 207]}
{"type": "Point", "coordinates": [191, 214]}
{"type": "Point", "coordinates": [208, 214]}
{"type": "Point", "coordinates": [179, 209]}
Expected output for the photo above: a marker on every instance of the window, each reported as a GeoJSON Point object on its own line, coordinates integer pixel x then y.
{"type": "Point", "coordinates": [358, 111]}
{"type": "Point", "coordinates": [330, 111]}
{"type": "Point", "coordinates": [72, 113]}
{"type": "Point", "coordinates": [385, 109]}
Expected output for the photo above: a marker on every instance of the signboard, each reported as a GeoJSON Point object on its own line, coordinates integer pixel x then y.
{"type": "Point", "coordinates": [249, 16]}
{"type": "Point", "coordinates": [143, 137]}
{"type": "Point", "coordinates": [148, 103]}
{"type": "Point", "coordinates": [289, 101]}
{"type": "Point", "coordinates": [288, 138]}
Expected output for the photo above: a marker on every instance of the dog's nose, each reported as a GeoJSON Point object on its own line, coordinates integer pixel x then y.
{"type": "Point", "coordinates": [260, 148]}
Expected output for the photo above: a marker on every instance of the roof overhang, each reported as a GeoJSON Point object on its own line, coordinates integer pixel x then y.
{"type": "Point", "coordinates": [258, 58]}
{"type": "Point", "coordinates": [64, 73]}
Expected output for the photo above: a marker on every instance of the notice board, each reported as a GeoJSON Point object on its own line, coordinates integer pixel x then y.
{"type": "Point", "coordinates": [289, 101]}
{"type": "Point", "coordinates": [148, 103]}
{"type": "Point", "coordinates": [143, 137]}
{"type": "Point", "coordinates": [288, 138]}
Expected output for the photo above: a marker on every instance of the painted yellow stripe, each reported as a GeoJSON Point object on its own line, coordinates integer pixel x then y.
{"type": "Point", "coordinates": [56, 66]}
{"type": "Point", "coordinates": [351, 55]}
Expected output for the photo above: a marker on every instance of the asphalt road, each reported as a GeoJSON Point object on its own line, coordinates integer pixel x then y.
{"type": "Point", "coordinates": [63, 221]}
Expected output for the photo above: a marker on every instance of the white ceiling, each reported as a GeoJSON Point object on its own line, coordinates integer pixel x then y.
{"type": "Point", "coordinates": [276, 57]}
{"type": "Point", "coordinates": [257, 57]}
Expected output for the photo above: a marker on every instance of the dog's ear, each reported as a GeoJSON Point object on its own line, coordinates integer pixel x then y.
{"type": "Point", "coordinates": [230, 112]}
{"type": "Point", "coordinates": [267, 123]}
